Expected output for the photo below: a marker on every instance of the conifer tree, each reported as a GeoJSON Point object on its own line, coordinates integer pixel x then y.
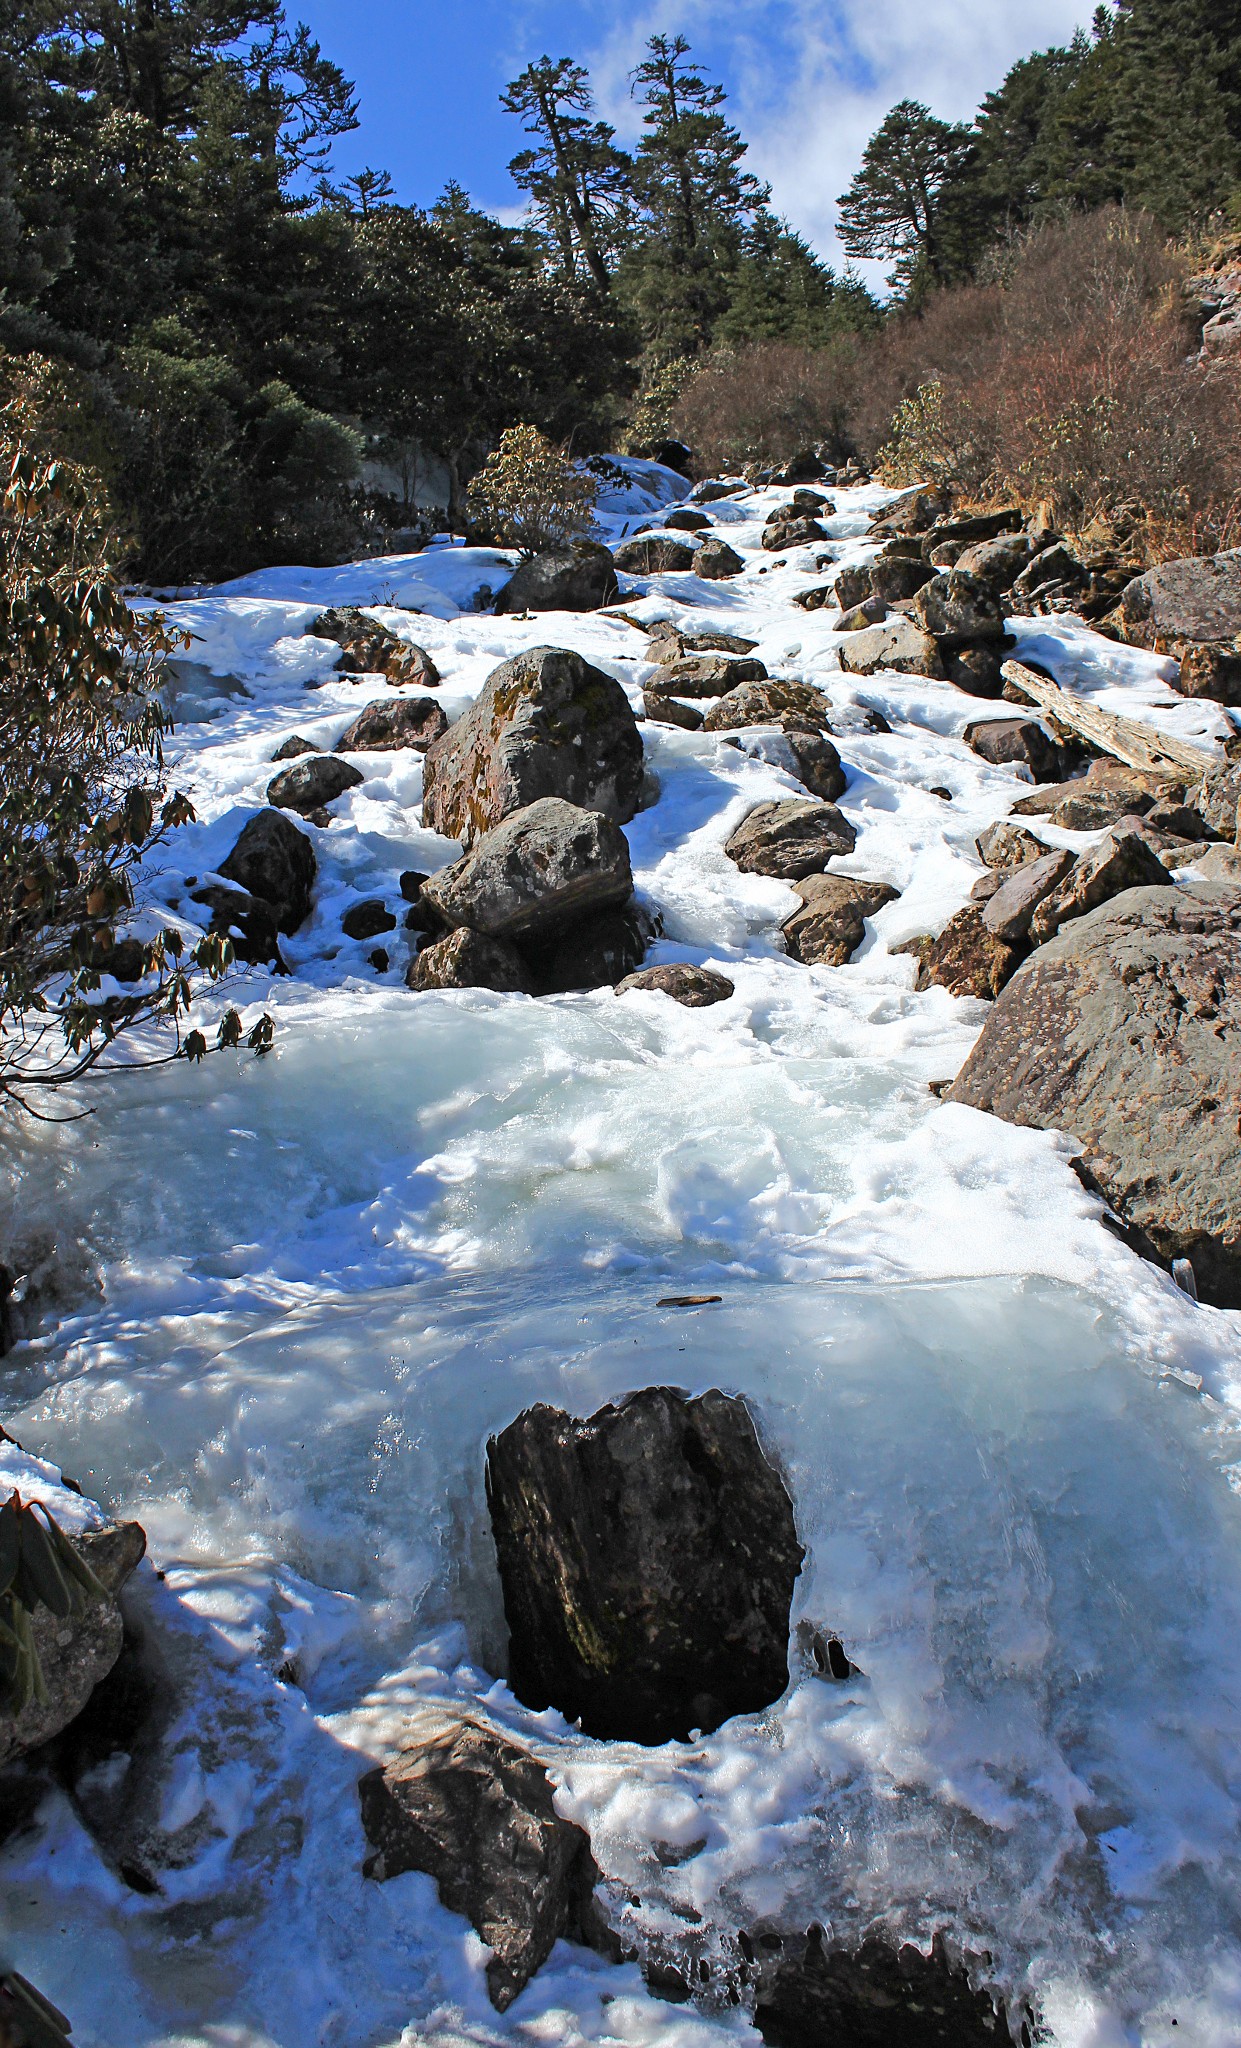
{"type": "Point", "coordinates": [897, 206]}
{"type": "Point", "coordinates": [577, 178]}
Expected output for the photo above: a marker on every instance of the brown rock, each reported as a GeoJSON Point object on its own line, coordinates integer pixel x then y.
{"type": "Point", "coordinates": [966, 958]}
{"type": "Point", "coordinates": [392, 723]}
{"type": "Point", "coordinates": [705, 675]}
{"type": "Point", "coordinates": [371, 649]}
{"type": "Point", "coordinates": [830, 926]}
{"type": "Point", "coordinates": [695, 987]}
{"type": "Point", "coordinates": [1121, 861]}
{"type": "Point", "coordinates": [767, 703]}
{"type": "Point", "coordinates": [1007, 846]}
{"type": "Point", "coordinates": [656, 554]}
{"type": "Point", "coordinates": [716, 561]}
{"type": "Point", "coordinates": [1020, 740]}
{"type": "Point", "coordinates": [1213, 672]}
{"type": "Point", "coordinates": [76, 1654]}
{"type": "Point", "coordinates": [789, 839]}
{"type": "Point", "coordinates": [1009, 912]}
{"type": "Point", "coordinates": [667, 711]}
{"type": "Point", "coordinates": [467, 959]}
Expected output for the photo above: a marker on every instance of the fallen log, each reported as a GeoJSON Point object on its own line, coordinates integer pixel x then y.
{"type": "Point", "coordinates": [1136, 744]}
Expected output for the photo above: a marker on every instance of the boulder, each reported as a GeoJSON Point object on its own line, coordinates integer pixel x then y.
{"type": "Point", "coordinates": [647, 1558]}
{"type": "Point", "coordinates": [899, 644]}
{"type": "Point", "coordinates": [716, 561]}
{"type": "Point", "coordinates": [476, 1813]}
{"type": "Point", "coordinates": [1005, 845]}
{"type": "Point", "coordinates": [695, 987]}
{"type": "Point", "coordinates": [971, 528]}
{"type": "Point", "coordinates": [1122, 860]}
{"type": "Point", "coordinates": [578, 578]}
{"type": "Point", "coordinates": [545, 724]}
{"type": "Point", "coordinates": [1009, 911]}
{"type": "Point", "coordinates": [667, 643]}
{"type": "Point", "coordinates": [966, 958]}
{"type": "Point", "coordinates": [289, 749]}
{"type": "Point", "coordinates": [815, 762]}
{"type": "Point", "coordinates": [779, 534]}
{"type": "Point", "coordinates": [655, 554]}
{"type": "Point", "coordinates": [805, 468]}
{"type": "Point", "coordinates": [705, 675]}
{"type": "Point", "coordinates": [869, 613]}
{"type": "Point", "coordinates": [789, 838]}
{"type": "Point", "coordinates": [1109, 790]}
{"type": "Point", "coordinates": [710, 493]}
{"type": "Point", "coordinates": [77, 1653]}
{"type": "Point", "coordinates": [766, 703]}
{"type": "Point", "coordinates": [821, 597]}
{"type": "Point", "coordinates": [467, 959]}
{"type": "Point", "coordinates": [881, 1995]}
{"type": "Point", "coordinates": [371, 649]}
{"type": "Point", "coordinates": [594, 951]}
{"type": "Point", "coordinates": [366, 920]}
{"type": "Point", "coordinates": [273, 860]}
{"type": "Point", "coordinates": [1126, 1031]}
{"type": "Point", "coordinates": [536, 872]}
{"type": "Point", "coordinates": [914, 511]}
{"type": "Point", "coordinates": [979, 671]}
{"type": "Point", "coordinates": [830, 926]}
{"type": "Point", "coordinates": [249, 923]}
{"type": "Point", "coordinates": [685, 520]}
{"type": "Point", "coordinates": [667, 711]}
{"type": "Point", "coordinates": [959, 608]}
{"type": "Point", "coordinates": [853, 585]}
{"type": "Point", "coordinates": [393, 723]}
{"type": "Point", "coordinates": [1194, 600]}
{"type": "Point", "coordinates": [1212, 672]}
{"type": "Point", "coordinates": [895, 577]}
{"type": "Point", "coordinates": [1021, 740]}
{"type": "Point", "coordinates": [1050, 582]}
{"type": "Point", "coordinates": [312, 783]}
{"type": "Point", "coordinates": [1220, 864]}
{"type": "Point", "coordinates": [1217, 799]}
{"type": "Point", "coordinates": [997, 563]}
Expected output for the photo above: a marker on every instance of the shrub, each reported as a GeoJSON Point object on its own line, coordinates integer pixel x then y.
{"type": "Point", "coordinates": [768, 402]}
{"type": "Point", "coordinates": [531, 496]}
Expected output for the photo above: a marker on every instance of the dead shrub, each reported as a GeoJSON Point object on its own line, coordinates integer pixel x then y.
{"type": "Point", "coordinates": [767, 402]}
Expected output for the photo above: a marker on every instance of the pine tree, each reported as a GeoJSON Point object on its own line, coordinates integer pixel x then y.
{"type": "Point", "coordinates": [897, 206]}
{"type": "Point", "coordinates": [577, 178]}
{"type": "Point", "coordinates": [779, 290]}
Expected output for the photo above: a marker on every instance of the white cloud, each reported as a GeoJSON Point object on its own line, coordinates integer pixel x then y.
{"type": "Point", "coordinates": [810, 82]}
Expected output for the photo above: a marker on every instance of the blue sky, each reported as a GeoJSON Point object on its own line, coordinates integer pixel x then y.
{"type": "Point", "coordinates": [808, 80]}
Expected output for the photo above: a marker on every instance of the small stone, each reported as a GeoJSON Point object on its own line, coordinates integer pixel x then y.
{"type": "Point", "coordinates": [667, 711]}
{"type": "Point", "coordinates": [655, 554]}
{"type": "Point", "coordinates": [311, 784]}
{"type": "Point", "coordinates": [695, 987]}
{"type": "Point", "coordinates": [292, 747]}
{"type": "Point", "coordinates": [830, 926]}
{"type": "Point", "coordinates": [1005, 845]}
{"type": "Point", "coordinates": [368, 919]}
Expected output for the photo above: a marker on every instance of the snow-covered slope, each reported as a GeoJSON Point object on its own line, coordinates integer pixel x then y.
{"type": "Point", "coordinates": [330, 1274]}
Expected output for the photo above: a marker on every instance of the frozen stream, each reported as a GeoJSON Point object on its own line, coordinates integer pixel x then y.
{"type": "Point", "coordinates": [1013, 1449]}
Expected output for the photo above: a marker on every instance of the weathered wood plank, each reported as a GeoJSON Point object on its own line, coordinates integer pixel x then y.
{"type": "Point", "coordinates": [1138, 745]}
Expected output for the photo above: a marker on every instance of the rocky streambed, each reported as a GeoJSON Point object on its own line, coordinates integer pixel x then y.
{"type": "Point", "coordinates": [687, 1491]}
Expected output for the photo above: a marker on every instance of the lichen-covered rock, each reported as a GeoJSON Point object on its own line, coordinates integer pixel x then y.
{"type": "Point", "coordinates": [899, 644]}
{"type": "Point", "coordinates": [312, 782]}
{"type": "Point", "coordinates": [578, 578]}
{"type": "Point", "coordinates": [1005, 845]}
{"type": "Point", "coordinates": [716, 561]}
{"type": "Point", "coordinates": [1122, 860]}
{"type": "Point", "coordinates": [895, 577]}
{"type": "Point", "coordinates": [789, 838]}
{"type": "Point", "coordinates": [1009, 912]}
{"type": "Point", "coordinates": [853, 585]}
{"type": "Point", "coordinates": [1212, 672]}
{"type": "Point", "coordinates": [831, 924]}
{"type": "Point", "coordinates": [392, 723]}
{"type": "Point", "coordinates": [76, 1654]}
{"type": "Point", "coordinates": [535, 873]}
{"type": "Point", "coordinates": [779, 534]}
{"type": "Point", "coordinates": [695, 987]}
{"type": "Point", "coordinates": [273, 860]}
{"type": "Point", "coordinates": [959, 607]}
{"type": "Point", "coordinates": [1108, 791]}
{"type": "Point", "coordinates": [594, 951]}
{"type": "Point", "coordinates": [475, 1812]}
{"type": "Point", "coordinates": [545, 724]}
{"type": "Point", "coordinates": [1191, 600]}
{"type": "Point", "coordinates": [914, 511]}
{"type": "Point", "coordinates": [667, 711]}
{"type": "Point", "coordinates": [706, 674]}
{"type": "Point", "coordinates": [966, 958]}
{"type": "Point", "coordinates": [368, 648]}
{"type": "Point", "coordinates": [998, 562]}
{"type": "Point", "coordinates": [647, 1557]}
{"type": "Point", "coordinates": [766, 703]}
{"type": "Point", "coordinates": [1217, 800]}
{"type": "Point", "coordinates": [467, 959]}
{"type": "Point", "coordinates": [1125, 1030]}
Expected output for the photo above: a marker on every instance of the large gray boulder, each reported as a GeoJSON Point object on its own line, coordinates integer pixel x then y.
{"type": "Point", "coordinates": [647, 1557]}
{"type": "Point", "coordinates": [767, 703]}
{"type": "Point", "coordinates": [789, 838]}
{"type": "Point", "coordinates": [899, 644]}
{"type": "Point", "coordinates": [654, 554]}
{"type": "Point", "coordinates": [312, 782]}
{"type": "Point", "coordinates": [1125, 1030]}
{"type": "Point", "coordinates": [579, 578]}
{"type": "Point", "coordinates": [831, 923]}
{"type": "Point", "coordinates": [545, 724]}
{"type": "Point", "coordinates": [392, 723]}
{"type": "Point", "coordinates": [959, 607]}
{"type": "Point", "coordinates": [76, 1654]}
{"type": "Point", "coordinates": [475, 1812]}
{"type": "Point", "coordinates": [540, 869]}
{"type": "Point", "coordinates": [1197, 599]}
{"type": "Point", "coordinates": [276, 862]}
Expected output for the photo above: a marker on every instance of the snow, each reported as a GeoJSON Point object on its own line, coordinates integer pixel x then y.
{"type": "Point", "coordinates": [1014, 1449]}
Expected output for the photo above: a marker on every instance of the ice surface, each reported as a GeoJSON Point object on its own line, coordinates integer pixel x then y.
{"type": "Point", "coordinates": [329, 1275]}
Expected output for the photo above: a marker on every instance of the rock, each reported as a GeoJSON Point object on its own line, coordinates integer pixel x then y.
{"type": "Point", "coordinates": [853, 585]}
{"type": "Point", "coordinates": [312, 783]}
{"type": "Point", "coordinates": [1023, 740]}
{"type": "Point", "coordinates": [1050, 582]}
{"type": "Point", "coordinates": [647, 1558]}
{"type": "Point", "coordinates": [578, 578]}
{"type": "Point", "coordinates": [789, 838]}
{"type": "Point", "coordinates": [1121, 861]}
{"type": "Point", "coordinates": [1009, 911]}
{"type": "Point", "coordinates": [695, 987]}
{"type": "Point", "coordinates": [371, 649]}
{"type": "Point", "coordinates": [476, 1813]}
{"type": "Point", "coordinates": [546, 724]}
{"type": "Point", "coordinates": [1213, 672]}
{"type": "Point", "coordinates": [685, 520]}
{"type": "Point", "coordinates": [987, 886]}
{"type": "Point", "coordinates": [594, 951]}
{"type": "Point", "coordinates": [666, 711]}
{"type": "Point", "coordinates": [1109, 790]}
{"type": "Point", "coordinates": [830, 926]}
{"type": "Point", "coordinates": [895, 577]}
{"type": "Point", "coordinates": [1220, 864]}
{"type": "Point", "coordinates": [966, 958]}
{"type": "Point", "coordinates": [1005, 845]}
{"type": "Point", "coordinates": [368, 919]}
{"type": "Point", "coordinates": [393, 723]}
{"type": "Point", "coordinates": [806, 468]}
{"type": "Point", "coordinates": [999, 562]}
{"type": "Point", "coordinates": [246, 921]}
{"type": "Point", "coordinates": [668, 644]}
{"type": "Point", "coordinates": [766, 703]}
{"type": "Point", "coordinates": [654, 554]}
{"type": "Point", "coordinates": [914, 511]}
{"type": "Point", "coordinates": [1125, 1030]}
{"type": "Point", "coordinates": [869, 613]}
{"type": "Point", "coordinates": [819, 598]}
{"type": "Point", "coordinates": [959, 607]}
{"type": "Point", "coordinates": [706, 675]}
{"type": "Point", "coordinates": [467, 959]}
{"type": "Point", "coordinates": [272, 859]}
{"type": "Point", "coordinates": [710, 493]}
{"type": "Point", "coordinates": [791, 533]}
{"type": "Point", "coordinates": [815, 763]}
{"type": "Point", "coordinates": [1216, 800]}
{"type": "Point", "coordinates": [716, 560]}
{"type": "Point", "coordinates": [972, 528]}
{"type": "Point", "coordinates": [899, 644]}
{"type": "Point", "coordinates": [877, 1996]}
{"type": "Point", "coordinates": [539, 869]}
{"type": "Point", "coordinates": [76, 1654]}
{"type": "Point", "coordinates": [979, 671]}
{"type": "Point", "coordinates": [1193, 600]}
{"type": "Point", "coordinates": [289, 749]}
